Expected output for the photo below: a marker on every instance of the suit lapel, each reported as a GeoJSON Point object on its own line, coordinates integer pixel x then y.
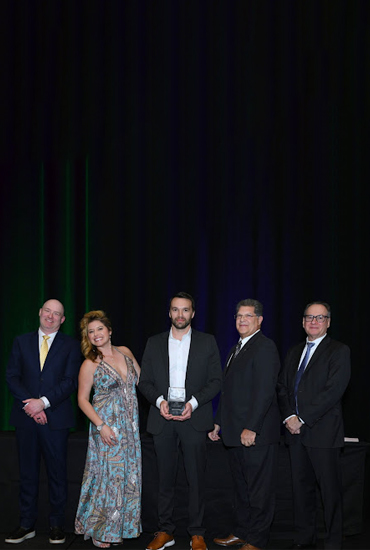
{"type": "Point", "coordinates": [165, 355]}
{"type": "Point", "coordinates": [295, 363]}
{"type": "Point", "coordinates": [242, 352]}
{"type": "Point", "coordinates": [319, 351]}
{"type": "Point", "coordinates": [192, 352]}
{"type": "Point", "coordinates": [35, 350]}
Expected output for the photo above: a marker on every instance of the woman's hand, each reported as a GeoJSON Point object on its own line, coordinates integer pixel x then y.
{"type": "Point", "coordinates": [108, 436]}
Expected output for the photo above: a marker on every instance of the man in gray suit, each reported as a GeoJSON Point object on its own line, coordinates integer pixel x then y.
{"type": "Point", "coordinates": [188, 359]}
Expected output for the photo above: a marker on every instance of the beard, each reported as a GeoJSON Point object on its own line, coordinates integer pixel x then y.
{"type": "Point", "coordinates": [180, 325]}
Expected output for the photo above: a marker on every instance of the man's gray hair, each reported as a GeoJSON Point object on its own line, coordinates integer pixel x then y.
{"type": "Point", "coordinates": [258, 307]}
{"type": "Point", "coordinates": [325, 304]}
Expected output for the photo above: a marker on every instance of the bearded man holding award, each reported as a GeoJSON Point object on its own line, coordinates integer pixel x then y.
{"type": "Point", "coordinates": [180, 375]}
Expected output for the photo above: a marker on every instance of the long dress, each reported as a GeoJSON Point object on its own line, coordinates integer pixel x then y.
{"type": "Point", "coordinates": [109, 508]}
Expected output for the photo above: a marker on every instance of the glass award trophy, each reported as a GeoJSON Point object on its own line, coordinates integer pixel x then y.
{"type": "Point", "coordinates": [176, 401]}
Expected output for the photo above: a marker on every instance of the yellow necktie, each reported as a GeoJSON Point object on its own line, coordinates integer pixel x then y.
{"type": "Point", "coordinates": [44, 351]}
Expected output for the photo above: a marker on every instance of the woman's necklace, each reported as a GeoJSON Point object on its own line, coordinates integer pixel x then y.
{"type": "Point", "coordinates": [112, 363]}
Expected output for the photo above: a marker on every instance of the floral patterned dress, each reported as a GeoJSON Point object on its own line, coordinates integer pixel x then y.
{"type": "Point", "coordinates": [110, 501]}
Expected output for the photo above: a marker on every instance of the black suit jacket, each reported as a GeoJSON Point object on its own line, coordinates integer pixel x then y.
{"type": "Point", "coordinates": [57, 381]}
{"type": "Point", "coordinates": [203, 378]}
{"type": "Point", "coordinates": [319, 393]}
{"type": "Point", "coordinates": [248, 397]}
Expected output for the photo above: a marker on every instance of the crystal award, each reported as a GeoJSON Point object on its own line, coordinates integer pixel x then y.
{"type": "Point", "coordinates": [176, 400]}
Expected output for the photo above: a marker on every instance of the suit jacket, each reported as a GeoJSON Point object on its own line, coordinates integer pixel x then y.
{"type": "Point", "coordinates": [248, 396]}
{"type": "Point", "coordinates": [57, 381]}
{"type": "Point", "coordinates": [203, 378]}
{"type": "Point", "coordinates": [319, 393]}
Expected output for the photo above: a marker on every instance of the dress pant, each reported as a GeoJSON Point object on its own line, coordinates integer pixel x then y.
{"type": "Point", "coordinates": [32, 443]}
{"type": "Point", "coordinates": [174, 435]}
{"type": "Point", "coordinates": [254, 473]}
{"type": "Point", "coordinates": [312, 466]}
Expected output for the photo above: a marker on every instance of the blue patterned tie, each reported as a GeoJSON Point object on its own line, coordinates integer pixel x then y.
{"type": "Point", "coordinates": [300, 371]}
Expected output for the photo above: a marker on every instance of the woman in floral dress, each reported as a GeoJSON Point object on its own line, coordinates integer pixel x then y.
{"type": "Point", "coordinates": [109, 506]}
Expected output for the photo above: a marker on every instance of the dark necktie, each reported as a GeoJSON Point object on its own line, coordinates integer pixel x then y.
{"type": "Point", "coordinates": [300, 371]}
{"type": "Point", "coordinates": [236, 351]}
{"type": "Point", "coordinates": [238, 347]}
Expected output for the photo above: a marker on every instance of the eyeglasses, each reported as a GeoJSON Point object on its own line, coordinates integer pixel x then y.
{"type": "Point", "coordinates": [319, 318]}
{"type": "Point", "coordinates": [240, 317]}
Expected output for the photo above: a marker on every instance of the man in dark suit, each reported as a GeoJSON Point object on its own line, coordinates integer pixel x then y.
{"type": "Point", "coordinates": [248, 416]}
{"type": "Point", "coordinates": [313, 380]}
{"type": "Point", "coordinates": [42, 374]}
{"type": "Point", "coordinates": [181, 358]}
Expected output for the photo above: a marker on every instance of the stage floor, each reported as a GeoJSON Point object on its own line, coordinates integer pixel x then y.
{"type": "Point", "coordinates": [76, 542]}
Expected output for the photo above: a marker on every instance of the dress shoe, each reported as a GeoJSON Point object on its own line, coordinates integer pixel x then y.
{"type": "Point", "coordinates": [302, 546]}
{"type": "Point", "coordinates": [231, 540]}
{"type": "Point", "coordinates": [20, 534]}
{"type": "Point", "coordinates": [250, 547]}
{"type": "Point", "coordinates": [56, 535]}
{"type": "Point", "coordinates": [161, 540]}
{"type": "Point", "coordinates": [198, 543]}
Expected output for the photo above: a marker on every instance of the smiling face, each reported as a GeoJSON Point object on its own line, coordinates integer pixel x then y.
{"type": "Point", "coordinates": [313, 328]}
{"type": "Point", "coordinates": [181, 313]}
{"type": "Point", "coordinates": [247, 322]}
{"type": "Point", "coordinates": [98, 334]}
{"type": "Point", "coordinates": [51, 316]}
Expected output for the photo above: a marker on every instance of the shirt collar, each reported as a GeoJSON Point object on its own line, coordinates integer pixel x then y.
{"type": "Point", "coordinates": [245, 340]}
{"type": "Point", "coordinates": [316, 341]}
{"type": "Point", "coordinates": [187, 335]}
{"type": "Point", "coordinates": [51, 335]}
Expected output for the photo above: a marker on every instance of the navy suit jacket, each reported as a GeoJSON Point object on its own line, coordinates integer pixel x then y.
{"type": "Point", "coordinates": [248, 397]}
{"type": "Point", "coordinates": [319, 393]}
{"type": "Point", "coordinates": [203, 378]}
{"type": "Point", "coordinates": [57, 381]}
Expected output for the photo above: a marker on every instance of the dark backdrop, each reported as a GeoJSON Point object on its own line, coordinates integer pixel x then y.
{"type": "Point", "coordinates": [216, 147]}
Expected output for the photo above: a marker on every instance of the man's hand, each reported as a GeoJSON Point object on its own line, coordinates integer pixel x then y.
{"type": "Point", "coordinates": [213, 436]}
{"type": "Point", "coordinates": [186, 413]}
{"type": "Point", "coordinates": [248, 438]}
{"type": "Point", "coordinates": [293, 424]}
{"type": "Point", "coordinates": [164, 410]}
{"type": "Point", "coordinates": [41, 418]}
{"type": "Point", "coordinates": [33, 406]}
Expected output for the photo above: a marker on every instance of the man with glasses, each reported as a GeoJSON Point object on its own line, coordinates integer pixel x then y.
{"type": "Point", "coordinates": [311, 385]}
{"type": "Point", "coordinates": [248, 417]}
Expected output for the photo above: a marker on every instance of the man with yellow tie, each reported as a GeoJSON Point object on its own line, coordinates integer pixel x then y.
{"type": "Point", "coordinates": [42, 374]}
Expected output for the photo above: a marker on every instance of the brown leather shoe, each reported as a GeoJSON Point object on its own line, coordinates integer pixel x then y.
{"type": "Point", "coordinates": [231, 540]}
{"type": "Point", "coordinates": [198, 543]}
{"type": "Point", "coordinates": [161, 540]}
{"type": "Point", "coordinates": [250, 547]}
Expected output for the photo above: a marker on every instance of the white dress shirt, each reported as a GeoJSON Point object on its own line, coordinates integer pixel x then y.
{"type": "Point", "coordinates": [178, 354]}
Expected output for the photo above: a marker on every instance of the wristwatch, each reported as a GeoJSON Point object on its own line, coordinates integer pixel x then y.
{"type": "Point", "coordinates": [100, 427]}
